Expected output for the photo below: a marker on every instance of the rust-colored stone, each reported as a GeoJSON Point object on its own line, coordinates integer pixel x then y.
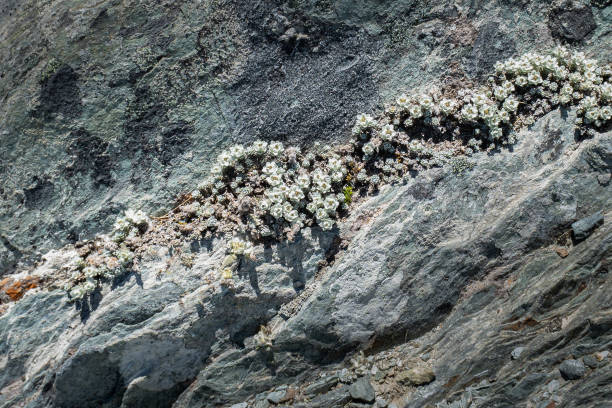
{"type": "Point", "coordinates": [562, 252]}
{"type": "Point", "coordinates": [17, 289]}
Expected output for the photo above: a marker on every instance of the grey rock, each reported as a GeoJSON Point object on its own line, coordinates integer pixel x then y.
{"type": "Point", "coordinates": [275, 397]}
{"type": "Point", "coordinates": [381, 402]}
{"type": "Point", "coordinates": [240, 405]}
{"type": "Point", "coordinates": [585, 226]}
{"type": "Point", "coordinates": [323, 385]}
{"type": "Point", "coordinates": [416, 376]}
{"type": "Point", "coordinates": [516, 353]}
{"type": "Point", "coordinates": [130, 106]}
{"type": "Point", "coordinates": [571, 20]}
{"type": "Point", "coordinates": [334, 399]}
{"type": "Point", "coordinates": [362, 390]}
{"type": "Point", "coordinates": [553, 386]}
{"type": "Point", "coordinates": [590, 361]}
{"type": "Point", "coordinates": [572, 369]}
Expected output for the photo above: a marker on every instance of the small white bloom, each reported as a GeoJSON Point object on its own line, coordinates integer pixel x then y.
{"type": "Point", "coordinates": [330, 203]}
{"type": "Point", "coordinates": [277, 211]}
{"type": "Point", "coordinates": [415, 111]}
{"type": "Point", "coordinates": [237, 152]}
{"type": "Point", "coordinates": [323, 186]}
{"type": "Point", "coordinates": [276, 148]}
{"type": "Point", "coordinates": [387, 132]}
{"type": "Point", "coordinates": [264, 204]}
{"type": "Point", "coordinates": [368, 148]}
{"type": "Point", "coordinates": [402, 101]}
{"type": "Point", "coordinates": [274, 179]}
{"type": "Point", "coordinates": [447, 106]}
{"type": "Point", "coordinates": [303, 180]}
{"type": "Point", "coordinates": [321, 214]}
{"type": "Point", "coordinates": [326, 224]}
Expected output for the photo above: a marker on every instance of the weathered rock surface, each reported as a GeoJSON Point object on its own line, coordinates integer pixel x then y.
{"type": "Point", "coordinates": [467, 288]}
{"type": "Point", "coordinates": [109, 104]}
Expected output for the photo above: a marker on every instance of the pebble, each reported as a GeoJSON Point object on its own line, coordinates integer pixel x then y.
{"type": "Point", "coordinates": [590, 361]}
{"type": "Point", "coordinates": [572, 369]}
{"type": "Point", "coordinates": [275, 397]}
{"type": "Point", "coordinates": [516, 353]}
{"type": "Point", "coordinates": [585, 227]}
{"type": "Point", "coordinates": [416, 376]}
{"type": "Point", "coordinates": [362, 390]}
{"type": "Point", "coordinates": [602, 355]}
{"type": "Point", "coordinates": [553, 386]}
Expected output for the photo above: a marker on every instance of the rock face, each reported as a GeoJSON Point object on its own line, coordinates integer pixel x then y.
{"type": "Point", "coordinates": [113, 104]}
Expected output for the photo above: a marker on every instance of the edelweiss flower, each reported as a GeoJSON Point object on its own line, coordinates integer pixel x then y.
{"type": "Point", "coordinates": [447, 106]}
{"type": "Point", "coordinates": [277, 211]}
{"type": "Point", "coordinates": [274, 179]}
{"type": "Point", "coordinates": [276, 148]}
{"type": "Point", "coordinates": [237, 152]}
{"type": "Point", "coordinates": [415, 111]}
{"type": "Point", "coordinates": [303, 180]}
{"type": "Point", "coordinates": [326, 224]}
{"type": "Point", "coordinates": [368, 148]}
{"type": "Point", "coordinates": [259, 147]}
{"type": "Point", "coordinates": [426, 102]}
{"type": "Point", "coordinates": [364, 120]}
{"type": "Point", "coordinates": [321, 214]}
{"type": "Point", "coordinates": [295, 193]}
{"type": "Point", "coordinates": [402, 101]}
{"type": "Point", "coordinates": [387, 132]}
{"type": "Point", "coordinates": [225, 160]}
{"type": "Point", "coordinates": [330, 203]}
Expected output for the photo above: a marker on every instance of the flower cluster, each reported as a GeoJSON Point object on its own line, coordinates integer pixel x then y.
{"type": "Point", "coordinates": [105, 258]}
{"type": "Point", "coordinates": [269, 191]}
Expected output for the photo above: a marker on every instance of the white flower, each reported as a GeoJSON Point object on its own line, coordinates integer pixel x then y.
{"type": "Point", "coordinates": [312, 207]}
{"type": "Point", "coordinates": [225, 160]}
{"type": "Point", "coordinates": [270, 168]}
{"type": "Point", "coordinates": [330, 203]}
{"type": "Point", "coordinates": [447, 106]}
{"type": "Point", "coordinates": [323, 186]}
{"type": "Point", "coordinates": [415, 111]}
{"type": "Point", "coordinates": [469, 112]}
{"type": "Point", "coordinates": [504, 116]}
{"type": "Point", "coordinates": [276, 148]}
{"type": "Point", "coordinates": [259, 147]}
{"type": "Point", "coordinates": [326, 224]}
{"type": "Point", "coordinates": [275, 195]}
{"type": "Point", "coordinates": [90, 272]}
{"type": "Point", "coordinates": [337, 176]}
{"type": "Point", "coordinates": [274, 179]}
{"type": "Point", "coordinates": [426, 102]}
{"type": "Point", "coordinates": [334, 163]}
{"type": "Point", "coordinates": [402, 101]}
{"type": "Point", "coordinates": [277, 211]}
{"type": "Point", "coordinates": [368, 148]}
{"type": "Point", "coordinates": [321, 214]}
{"type": "Point", "coordinates": [521, 81]}
{"type": "Point", "coordinates": [237, 152]}
{"type": "Point", "coordinates": [287, 207]}
{"type": "Point", "coordinates": [364, 121]}
{"type": "Point", "coordinates": [303, 180]}
{"type": "Point", "coordinates": [387, 132]}
{"type": "Point", "coordinates": [292, 216]}
{"type": "Point", "coordinates": [605, 113]}
{"type": "Point", "coordinates": [534, 78]}
{"type": "Point", "coordinates": [295, 193]}
{"type": "Point", "coordinates": [511, 104]}
{"type": "Point", "coordinates": [264, 204]}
